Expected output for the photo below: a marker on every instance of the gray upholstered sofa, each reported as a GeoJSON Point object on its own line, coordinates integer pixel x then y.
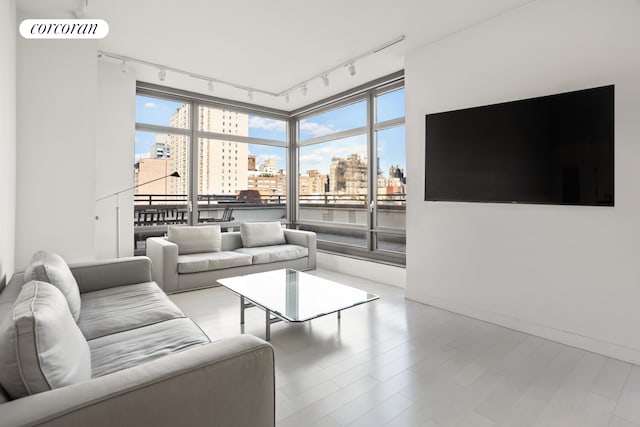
{"type": "Point", "coordinates": [195, 257]}
{"type": "Point", "coordinates": [104, 346]}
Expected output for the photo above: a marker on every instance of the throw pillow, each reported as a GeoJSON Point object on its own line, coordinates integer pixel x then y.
{"type": "Point", "coordinates": [41, 346]}
{"type": "Point", "coordinates": [255, 234]}
{"type": "Point", "coordinates": [193, 240]}
{"type": "Point", "coordinates": [51, 268]}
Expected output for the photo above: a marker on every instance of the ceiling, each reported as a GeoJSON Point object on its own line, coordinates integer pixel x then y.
{"type": "Point", "coordinates": [270, 45]}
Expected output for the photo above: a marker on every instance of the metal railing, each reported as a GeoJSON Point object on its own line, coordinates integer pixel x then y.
{"type": "Point", "coordinates": [351, 199]}
{"type": "Point", "coordinates": [212, 199]}
{"type": "Point", "coordinates": [154, 212]}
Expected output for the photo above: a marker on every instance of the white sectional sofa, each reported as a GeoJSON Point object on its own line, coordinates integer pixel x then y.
{"type": "Point", "coordinates": [100, 344]}
{"type": "Point", "coordinates": [192, 257]}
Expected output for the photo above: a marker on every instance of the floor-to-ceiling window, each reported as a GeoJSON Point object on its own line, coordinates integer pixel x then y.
{"type": "Point", "coordinates": [161, 166]}
{"type": "Point", "coordinates": [237, 163]}
{"type": "Point", "coordinates": [388, 143]}
{"type": "Point", "coordinates": [241, 166]}
{"type": "Point", "coordinates": [206, 162]}
{"type": "Point", "coordinates": [352, 173]}
{"type": "Point", "coordinates": [333, 173]}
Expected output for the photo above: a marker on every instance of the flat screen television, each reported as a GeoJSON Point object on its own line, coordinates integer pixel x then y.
{"type": "Point", "coordinates": [555, 149]}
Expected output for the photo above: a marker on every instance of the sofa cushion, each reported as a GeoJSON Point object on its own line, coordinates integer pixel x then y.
{"type": "Point", "coordinates": [41, 346]}
{"type": "Point", "coordinates": [255, 234]}
{"type": "Point", "coordinates": [267, 254]}
{"type": "Point", "coordinates": [191, 240]}
{"type": "Point", "coordinates": [195, 263]}
{"type": "Point", "coordinates": [121, 308]}
{"type": "Point", "coordinates": [51, 268]}
{"type": "Point", "coordinates": [126, 349]}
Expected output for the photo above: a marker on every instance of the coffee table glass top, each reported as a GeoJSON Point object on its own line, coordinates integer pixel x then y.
{"type": "Point", "coordinates": [295, 296]}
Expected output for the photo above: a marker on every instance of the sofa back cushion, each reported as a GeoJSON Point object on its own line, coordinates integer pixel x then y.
{"type": "Point", "coordinates": [198, 239]}
{"type": "Point", "coordinates": [51, 268]}
{"type": "Point", "coordinates": [256, 234]}
{"type": "Point", "coordinates": [41, 346]}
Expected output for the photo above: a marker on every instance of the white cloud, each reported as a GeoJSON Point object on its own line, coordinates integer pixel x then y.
{"type": "Point", "coordinates": [267, 124]}
{"type": "Point", "coordinates": [343, 150]}
{"type": "Point", "coordinates": [320, 157]}
{"type": "Point", "coordinates": [317, 129]}
{"type": "Point", "coordinates": [311, 159]}
{"type": "Point", "coordinates": [150, 104]}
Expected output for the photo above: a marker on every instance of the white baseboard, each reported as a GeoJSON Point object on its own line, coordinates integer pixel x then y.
{"type": "Point", "coordinates": [616, 351]}
{"type": "Point", "coordinates": [371, 270]}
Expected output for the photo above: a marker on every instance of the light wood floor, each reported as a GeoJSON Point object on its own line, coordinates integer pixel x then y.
{"type": "Point", "coordinates": [394, 362]}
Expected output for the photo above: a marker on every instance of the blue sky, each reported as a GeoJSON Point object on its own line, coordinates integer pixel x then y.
{"type": "Point", "coordinates": [391, 142]}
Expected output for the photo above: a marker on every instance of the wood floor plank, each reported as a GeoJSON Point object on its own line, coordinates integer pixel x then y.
{"type": "Point", "coordinates": [628, 406]}
{"type": "Point", "coordinates": [611, 379]}
{"type": "Point", "coordinates": [621, 422]}
{"type": "Point", "coordinates": [323, 407]}
{"type": "Point", "coordinates": [396, 362]}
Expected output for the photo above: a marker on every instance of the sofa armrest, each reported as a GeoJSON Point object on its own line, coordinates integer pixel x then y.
{"type": "Point", "coordinates": [228, 383]}
{"type": "Point", "coordinates": [164, 263]}
{"type": "Point", "coordinates": [95, 275]}
{"type": "Point", "coordinates": [306, 239]}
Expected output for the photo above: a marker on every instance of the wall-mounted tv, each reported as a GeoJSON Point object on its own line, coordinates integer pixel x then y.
{"type": "Point", "coordinates": [555, 149]}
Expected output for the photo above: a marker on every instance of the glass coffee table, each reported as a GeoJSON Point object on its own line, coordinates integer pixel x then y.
{"type": "Point", "coordinates": [293, 296]}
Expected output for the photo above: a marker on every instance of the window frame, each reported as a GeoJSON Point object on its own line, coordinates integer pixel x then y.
{"type": "Point", "coordinates": [371, 229]}
{"type": "Point", "coordinates": [367, 92]}
{"type": "Point", "coordinates": [195, 101]}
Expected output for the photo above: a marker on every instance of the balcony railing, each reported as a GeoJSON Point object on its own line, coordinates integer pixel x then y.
{"type": "Point", "coordinates": [154, 212]}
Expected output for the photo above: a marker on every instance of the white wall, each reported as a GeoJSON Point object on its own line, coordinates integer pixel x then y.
{"type": "Point", "coordinates": [376, 271]}
{"type": "Point", "coordinates": [571, 274]}
{"type": "Point", "coordinates": [114, 158]}
{"type": "Point", "coordinates": [7, 138]}
{"type": "Point", "coordinates": [57, 87]}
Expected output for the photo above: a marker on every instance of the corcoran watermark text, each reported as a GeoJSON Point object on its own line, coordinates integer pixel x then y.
{"type": "Point", "coordinates": [64, 28]}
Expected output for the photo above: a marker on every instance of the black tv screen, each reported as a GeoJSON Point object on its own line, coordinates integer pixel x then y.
{"type": "Point", "coordinates": [555, 149]}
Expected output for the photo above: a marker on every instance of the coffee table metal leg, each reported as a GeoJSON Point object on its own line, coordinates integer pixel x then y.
{"type": "Point", "coordinates": [242, 306]}
{"type": "Point", "coordinates": [338, 314]}
{"type": "Point", "coordinates": [267, 325]}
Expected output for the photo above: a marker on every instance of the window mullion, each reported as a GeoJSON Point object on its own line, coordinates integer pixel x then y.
{"type": "Point", "coordinates": [193, 164]}
{"type": "Point", "coordinates": [373, 172]}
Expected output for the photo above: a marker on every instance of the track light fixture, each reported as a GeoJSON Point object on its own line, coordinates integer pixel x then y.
{"type": "Point", "coordinates": [349, 64]}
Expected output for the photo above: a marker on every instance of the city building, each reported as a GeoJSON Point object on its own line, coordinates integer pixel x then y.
{"type": "Point", "coordinates": [153, 169]}
{"type": "Point", "coordinates": [393, 184]}
{"type": "Point", "coordinates": [222, 164]}
{"type": "Point", "coordinates": [268, 181]}
{"type": "Point", "coordinates": [313, 183]}
{"type": "Point", "coordinates": [348, 175]}
{"type": "Point", "coordinates": [268, 167]}
{"type": "Point", "coordinates": [162, 148]}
